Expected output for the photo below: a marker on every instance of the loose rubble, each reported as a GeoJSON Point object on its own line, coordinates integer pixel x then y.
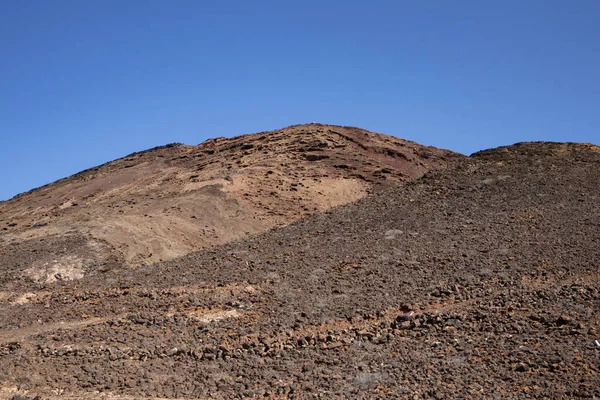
{"type": "Point", "coordinates": [439, 288]}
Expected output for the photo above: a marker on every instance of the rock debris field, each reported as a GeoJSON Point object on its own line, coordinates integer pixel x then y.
{"type": "Point", "coordinates": [477, 280]}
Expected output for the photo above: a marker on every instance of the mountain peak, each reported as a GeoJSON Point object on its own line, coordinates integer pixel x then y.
{"type": "Point", "coordinates": [170, 200]}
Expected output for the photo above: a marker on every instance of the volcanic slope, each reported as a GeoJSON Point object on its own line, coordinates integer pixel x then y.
{"type": "Point", "coordinates": [477, 281]}
{"type": "Point", "coordinates": [166, 202]}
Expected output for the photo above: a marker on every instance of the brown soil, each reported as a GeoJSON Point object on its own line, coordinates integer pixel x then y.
{"type": "Point", "coordinates": [479, 280]}
{"type": "Point", "coordinates": [166, 202]}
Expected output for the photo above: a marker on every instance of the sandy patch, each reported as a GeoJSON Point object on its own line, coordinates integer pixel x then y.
{"type": "Point", "coordinates": [67, 268]}
{"type": "Point", "coordinates": [24, 299]}
{"type": "Point", "coordinates": [210, 316]}
{"type": "Point", "coordinates": [191, 186]}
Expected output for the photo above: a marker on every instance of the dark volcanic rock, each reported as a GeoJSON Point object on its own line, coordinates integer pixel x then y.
{"type": "Point", "coordinates": [440, 288]}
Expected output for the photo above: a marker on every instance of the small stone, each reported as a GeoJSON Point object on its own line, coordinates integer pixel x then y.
{"type": "Point", "coordinates": [563, 320]}
{"type": "Point", "coordinates": [405, 316]}
{"type": "Point", "coordinates": [308, 367]}
{"type": "Point", "coordinates": [522, 367]}
{"type": "Point", "coordinates": [172, 352]}
{"type": "Point", "coordinates": [392, 234]}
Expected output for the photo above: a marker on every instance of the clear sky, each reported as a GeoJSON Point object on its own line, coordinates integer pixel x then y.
{"type": "Point", "coordinates": [84, 82]}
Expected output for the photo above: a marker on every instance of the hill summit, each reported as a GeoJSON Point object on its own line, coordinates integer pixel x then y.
{"type": "Point", "coordinates": [168, 201]}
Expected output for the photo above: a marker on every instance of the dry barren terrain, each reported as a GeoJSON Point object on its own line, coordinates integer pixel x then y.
{"type": "Point", "coordinates": [477, 280]}
{"type": "Point", "coordinates": [166, 202]}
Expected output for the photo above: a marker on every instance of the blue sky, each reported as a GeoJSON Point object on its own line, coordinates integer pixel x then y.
{"type": "Point", "coordinates": [84, 82]}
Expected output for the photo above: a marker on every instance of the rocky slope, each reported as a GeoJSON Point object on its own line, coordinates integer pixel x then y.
{"type": "Point", "coordinates": [476, 281]}
{"type": "Point", "coordinates": [166, 202]}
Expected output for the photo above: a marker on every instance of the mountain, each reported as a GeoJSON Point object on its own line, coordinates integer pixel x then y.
{"type": "Point", "coordinates": [476, 280]}
{"type": "Point", "coordinates": [163, 203]}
